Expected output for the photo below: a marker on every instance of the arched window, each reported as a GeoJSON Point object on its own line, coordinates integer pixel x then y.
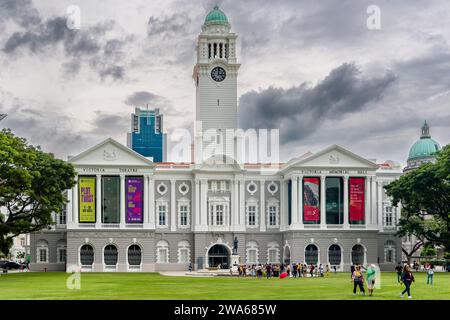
{"type": "Point", "coordinates": [42, 251]}
{"type": "Point", "coordinates": [389, 251]}
{"type": "Point", "coordinates": [134, 255]}
{"type": "Point", "coordinates": [86, 255]}
{"type": "Point", "coordinates": [184, 252]}
{"type": "Point", "coordinates": [311, 254]}
{"type": "Point", "coordinates": [110, 255]}
{"type": "Point", "coordinates": [61, 251]}
{"type": "Point", "coordinates": [162, 252]}
{"type": "Point", "coordinates": [358, 254]}
{"type": "Point", "coordinates": [273, 253]}
{"type": "Point", "coordinates": [252, 252]}
{"type": "Point", "coordinates": [334, 255]}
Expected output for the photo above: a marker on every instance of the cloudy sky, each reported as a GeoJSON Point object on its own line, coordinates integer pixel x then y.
{"type": "Point", "coordinates": [311, 68]}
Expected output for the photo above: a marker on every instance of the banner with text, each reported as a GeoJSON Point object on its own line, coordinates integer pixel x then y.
{"type": "Point", "coordinates": [311, 199]}
{"type": "Point", "coordinates": [134, 187]}
{"type": "Point", "coordinates": [356, 199]}
{"type": "Point", "coordinates": [86, 191]}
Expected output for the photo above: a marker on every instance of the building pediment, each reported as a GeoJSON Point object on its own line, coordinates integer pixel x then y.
{"type": "Point", "coordinates": [110, 153]}
{"type": "Point", "coordinates": [332, 157]}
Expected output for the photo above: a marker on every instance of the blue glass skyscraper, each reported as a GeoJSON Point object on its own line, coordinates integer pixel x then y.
{"type": "Point", "coordinates": [147, 137]}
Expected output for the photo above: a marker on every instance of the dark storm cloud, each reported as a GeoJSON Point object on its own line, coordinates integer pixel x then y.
{"type": "Point", "coordinates": [175, 34]}
{"type": "Point", "coordinates": [168, 27]}
{"type": "Point", "coordinates": [140, 98]}
{"type": "Point", "coordinates": [48, 127]}
{"type": "Point", "coordinates": [299, 111]}
{"type": "Point", "coordinates": [89, 46]}
{"type": "Point", "coordinates": [21, 12]}
{"type": "Point", "coordinates": [106, 124]}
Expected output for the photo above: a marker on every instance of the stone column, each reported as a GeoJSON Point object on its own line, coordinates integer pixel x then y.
{"type": "Point", "coordinates": [236, 203]}
{"type": "Point", "coordinates": [173, 206]}
{"type": "Point", "coordinates": [151, 202]}
{"type": "Point", "coordinates": [242, 204]}
{"type": "Point", "coordinates": [300, 201]}
{"type": "Point", "coordinates": [346, 203]}
{"type": "Point", "coordinates": [262, 207]}
{"type": "Point", "coordinates": [367, 200]}
{"type": "Point", "coordinates": [232, 206]}
{"type": "Point", "coordinates": [373, 206]}
{"type": "Point", "coordinates": [123, 200]}
{"type": "Point", "coordinates": [98, 201]}
{"type": "Point", "coordinates": [294, 200]}
{"type": "Point", "coordinates": [192, 206]}
{"type": "Point", "coordinates": [69, 210]}
{"type": "Point", "coordinates": [204, 203]}
{"type": "Point", "coordinates": [380, 205]}
{"type": "Point", "coordinates": [283, 204]}
{"type": "Point", "coordinates": [323, 214]}
{"type": "Point", "coordinates": [145, 195]}
{"type": "Point", "coordinates": [75, 202]}
{"type": "Point", "coordinates": [196, 221]}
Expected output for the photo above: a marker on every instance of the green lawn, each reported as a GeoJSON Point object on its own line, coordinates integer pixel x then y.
{"type": "Point", "coordinates": [154, 286]}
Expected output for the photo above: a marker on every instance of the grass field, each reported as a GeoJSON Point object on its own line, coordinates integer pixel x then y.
{"type": "Point", "coordinates": [155, 286]}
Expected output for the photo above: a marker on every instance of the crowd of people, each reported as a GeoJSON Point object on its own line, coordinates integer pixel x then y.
{"type": "Point", "coordinates": [295, 270]}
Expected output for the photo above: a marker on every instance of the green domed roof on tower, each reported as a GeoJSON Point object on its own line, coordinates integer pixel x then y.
{"type": "Point", "coordinates": [216, 16]}
{"type": "Point", "coordinates": [425, 146]}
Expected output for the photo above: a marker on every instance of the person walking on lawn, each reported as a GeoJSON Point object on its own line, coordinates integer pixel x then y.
{"type": "Point", "coordinates": [358, 280]}
{"type": "Point", "coordinates": [407, 279]}
{"type": "Point", "coordinates": [371, 279]}
{"type": "Point", "coordinates": [399, 270]}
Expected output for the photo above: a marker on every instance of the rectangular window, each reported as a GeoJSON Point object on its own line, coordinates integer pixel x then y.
{"type": "Point", "coordinates": [251, 215]}
{"type": "Point", "coordinates": [184, 215]}
{"type": "Point", "coordinates": [334, 200]}
{"type": "Point", "coordinates": [272, 256]}
{"type": "Point", "coordinates": [223, 186]}
{"type": "Point", "coordinates": [162, 255]}
{"type": "Point", "coordinates": [272, 215]}
{"type": "Point", "coordinates": [87, 199]}
{"type": "Point", "coordinates": [42, 255]}
{"type": "Point", "coordinates": [111, 199]}
{"type": "Point", "coordinates": [388, 221]}
{"type": "Point", "coordinates": [162, 215]}
{"type": "Point", "coordinates": [356, 200]}
{"type": "Point", "coordinates": [219, 215]}
{"type": "Point", "coordinates": [62, 215]}
{"type": "Point", "coordinates": [251, 256]}
{"type": "Point", "coordinates": [62, 255]}
{"type": "Point", "coordinates": [22, 242]}
{"type": "Point", "coordinates": [184, 256]}
{"type": "Point", "coordinates": [311, 200]}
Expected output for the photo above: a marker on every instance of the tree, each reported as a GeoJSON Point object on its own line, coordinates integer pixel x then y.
{"type": "Point", "coordinates": [428, 251]}
{"type": "Point", "coordinates": [424, 194]}
{"type": "Point", "coordinates": [31, 187]}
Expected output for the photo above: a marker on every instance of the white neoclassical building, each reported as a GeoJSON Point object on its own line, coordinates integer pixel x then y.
{"type": "Point", "coordinates": [127, 213]}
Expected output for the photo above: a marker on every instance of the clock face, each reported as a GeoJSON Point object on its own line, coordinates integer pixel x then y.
{"type": "Point", "coordinates": [218, 74]}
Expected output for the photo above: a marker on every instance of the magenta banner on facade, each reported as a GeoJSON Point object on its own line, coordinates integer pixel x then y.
{"type": "Point", "coordinates": [356, 199]}
{"type": "Point", "coordinates": [134, 190]}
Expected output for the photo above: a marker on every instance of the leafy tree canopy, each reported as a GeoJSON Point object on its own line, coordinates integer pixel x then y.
{"type": "Point", "coordinates": [32, 183]}
{"type": "Point", "coordinates": [424, 194]}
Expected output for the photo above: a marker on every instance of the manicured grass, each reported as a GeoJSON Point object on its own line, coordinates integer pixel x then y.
{"type": "Point", "coordinates": [35, 285]}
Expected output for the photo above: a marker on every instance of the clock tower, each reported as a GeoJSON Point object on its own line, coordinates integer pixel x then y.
{"type": "Point", "coordinates": [215, 77]}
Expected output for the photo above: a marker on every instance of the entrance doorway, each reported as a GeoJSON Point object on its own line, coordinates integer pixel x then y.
{"type": "Point", "coordinates": [218, 257]}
